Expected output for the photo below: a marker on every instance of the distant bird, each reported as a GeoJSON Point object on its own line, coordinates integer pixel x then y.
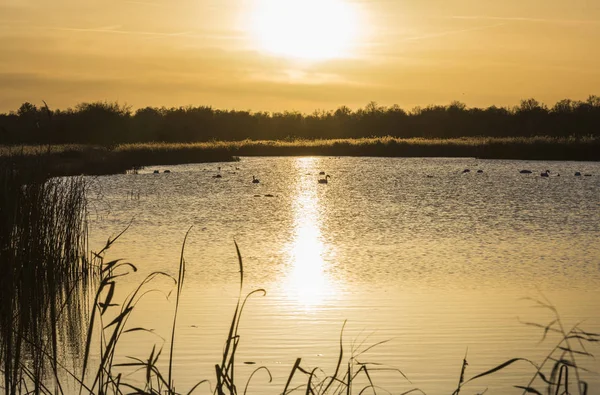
{"type": "Point", "coordinates": [218, 176]}
{"type": "Point", "coordinates": [466, 171]}
{"type": "Point", "coordinates": [587, 175]}
{"type": "Point", "coordinates": [479, 171]}
{"type": "Point", "coordinates": [545, 174]}
{"type": "Point", "coordinates": [321, 173]}
{"type": "Point", "coordinates": [429, 176]}
{"type": "Point", "coordinates": [525, 172]}
{"type": "Point", "coordinates": [156, 171]}
{"type": "Point", "coordinates": [167, 171]}
{"type": "Point", "coordinates": [577, 174]}
{"type": "Point", "coordinates": [324, 180]}
{"type": "Point", "coordinates": [255, 180]}
{"type": "Point", "coordinates": [269, 195]}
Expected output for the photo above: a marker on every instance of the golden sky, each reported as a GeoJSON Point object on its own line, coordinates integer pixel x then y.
{"type": "Point", "coordinates": [297, 54]}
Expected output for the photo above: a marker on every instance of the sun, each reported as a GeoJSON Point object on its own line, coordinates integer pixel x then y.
{"type": "Point", "coordinates": [306, 29]}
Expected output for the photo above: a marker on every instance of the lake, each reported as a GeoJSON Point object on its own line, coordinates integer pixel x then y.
{"type": "Point", "coordinates": [414, 253]}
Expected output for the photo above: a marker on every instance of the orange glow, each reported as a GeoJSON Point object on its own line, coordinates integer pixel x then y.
{"type": "Point", "coordinates": [306, 29]}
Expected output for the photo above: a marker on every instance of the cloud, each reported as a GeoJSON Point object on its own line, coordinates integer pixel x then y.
{"type": "Point", "coordinates": [115, 30]}
{"type": "Point", "coordinates": [452, 32]}
{"type": "Point", "coordinates": [526, 19]}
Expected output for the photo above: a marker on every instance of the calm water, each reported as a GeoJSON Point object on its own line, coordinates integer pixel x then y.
{"type": "Point", "coordinates": [435, 265]}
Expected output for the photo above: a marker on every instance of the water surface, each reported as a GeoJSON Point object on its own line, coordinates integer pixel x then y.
{"type": "Point", "coordinates": [413, 251]}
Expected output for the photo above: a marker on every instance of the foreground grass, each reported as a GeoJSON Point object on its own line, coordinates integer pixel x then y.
{"type": "Point", "coordinates": [84, 159]}
{"type": "Point", "coordinates": [43, 247]}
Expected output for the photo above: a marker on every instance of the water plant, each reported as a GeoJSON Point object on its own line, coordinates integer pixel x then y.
{"type": "Point", "coordinates": [559, 372]}
{"type": "Point", "coordinates": [43, 245]}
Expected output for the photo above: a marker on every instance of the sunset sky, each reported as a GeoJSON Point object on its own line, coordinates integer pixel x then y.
{"type": "Point", "coordinates": [297, 54]}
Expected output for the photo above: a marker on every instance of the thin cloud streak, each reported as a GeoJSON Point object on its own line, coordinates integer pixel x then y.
{"type": "Point", "coordinates": [110, 30]}
{"type": "Point", "coordinates": [526, 19]}
{"type": "Point", "coordinates": [451, 32]}
{"type": "Point", "coordinates": [187, 34]}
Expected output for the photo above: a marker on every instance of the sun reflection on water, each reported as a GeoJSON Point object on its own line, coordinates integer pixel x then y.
{"type": "Point", "coordinates": [308, 283]}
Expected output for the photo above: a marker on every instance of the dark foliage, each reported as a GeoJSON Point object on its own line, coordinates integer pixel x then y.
{"type": "Point", "coordinates": [108, 124]}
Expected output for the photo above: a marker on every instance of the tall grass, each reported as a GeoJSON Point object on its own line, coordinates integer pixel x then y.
{"type": "Point", "coordinates": [73, 160]}
{"type": "Point", "coordinates": [78, 159]}
{"type": "Point", "coordinates": [43, 265]}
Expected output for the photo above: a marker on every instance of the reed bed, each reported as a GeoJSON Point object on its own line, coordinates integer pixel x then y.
{"type": "Point", "coordinates": [94, 160]}
{"type": "Point", "coordinates": [72, 160]}
{"type": "Point", "coordinates": [43, 268]}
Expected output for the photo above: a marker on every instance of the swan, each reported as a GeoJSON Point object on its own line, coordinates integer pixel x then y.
{"type": "Point", "coordinates": [324, 180]}
{"type": "Point", "coordinates": [156, 171]}
{"type": "Point", "coordinates": [479, 171]}
{"type": "Point", "coordinates": [577, 174]}
{"type": "Point", "coordinates": [545, 174]}
{"type": "Point", "coordinates": [255, 180]}
{"type": "Point", "coordinates": [466, 171]}
{"type": "Point", "coordinates": [218, 176]}
{"type": "Point", "coordinates": [525, 172]}
{"type": "Point", "coordinates": [167, 171]}
{"type": "Point", "coordinates": [321, 173]}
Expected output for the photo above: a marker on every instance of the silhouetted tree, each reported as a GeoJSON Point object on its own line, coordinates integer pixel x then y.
{"type": "Point", "coordinates": [108, 123]}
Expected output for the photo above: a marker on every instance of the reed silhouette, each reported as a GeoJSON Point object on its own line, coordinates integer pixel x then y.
{"type": "Point", "coordinates": [44, 271]}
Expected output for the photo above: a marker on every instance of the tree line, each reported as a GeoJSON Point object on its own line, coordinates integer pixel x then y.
{"type": "Point", "coordinates": [110, 123]}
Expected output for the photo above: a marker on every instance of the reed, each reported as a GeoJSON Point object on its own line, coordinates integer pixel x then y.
{"type": "Point", "coordinates": [42, 264]}
{"type": "Point", "coordinates": [73, 160]}
{"type": "Point", "coordinates": [94, 160]}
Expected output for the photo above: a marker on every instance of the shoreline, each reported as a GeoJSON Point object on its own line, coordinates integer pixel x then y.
{"type": "Point", "coordinates": [69, 160]}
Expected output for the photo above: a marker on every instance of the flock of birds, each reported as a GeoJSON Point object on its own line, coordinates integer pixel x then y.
{"type": "Point", "coordinates": [326, 177]}
{"type": "Point", "coordinates": [255, 180]}
{"type": "Point", "coordinates": [545, 173]}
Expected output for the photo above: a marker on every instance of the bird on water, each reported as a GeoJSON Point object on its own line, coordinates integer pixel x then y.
{"type": "Point", "coordinates": [255, 180]}
{"type": "Point", "coordinates": [324, 180]}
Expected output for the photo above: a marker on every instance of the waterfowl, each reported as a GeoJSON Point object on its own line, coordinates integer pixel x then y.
{"type": "Point", "coordinates": [587, 175]}
{"type": "Point", "coordinates": [255, 180]}
{"type": "Point", "coordinates": [525, 172]}
{"type": "Point", "coordinates": [321, 173]}
{"type": "Point", "coordinates": [479, 171]}
{"type": "Point", "coordinates": [577, 174]}
{"type": "Point", "coordinates": [218, 176]}
{"type": "Point", "coordinates": [544, 174]}
{"type": "Point", "coordinates": [167, 171]}
{"type": "Point", "coordinates": [466, 171]}
{"type": "Point", "coordinates": [324, 180]}
{"type": "Point", "coordinates": [156, 171]}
